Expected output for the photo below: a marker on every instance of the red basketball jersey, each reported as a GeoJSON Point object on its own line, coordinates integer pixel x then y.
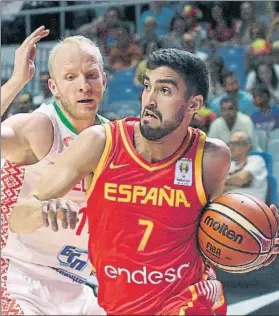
{"type": "Point", "coordinates": [143, 222]}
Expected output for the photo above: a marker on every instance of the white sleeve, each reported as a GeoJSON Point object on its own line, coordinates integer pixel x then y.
{"type": "Point", "coordinates": [251, 80]}
{"type": "Point", "coordinates": [256, 167]}
{"type": "Point", "coordinates": [250, 129]}
{"type": "Point", "coordinates": [213, 130]}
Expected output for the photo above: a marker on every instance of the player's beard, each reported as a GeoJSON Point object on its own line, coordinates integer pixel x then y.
{"type": "Point", "coordinates": [166, 128]}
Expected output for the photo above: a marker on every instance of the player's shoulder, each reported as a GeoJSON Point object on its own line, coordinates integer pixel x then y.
{"type": "Point", "coordinates": [215, 144]}
{"type": "Point", "coordinates": [35, 120]}
{"type": "Point", "coordinates": [215, 165]}
{"type": "Point", "coordinates": [95, 134]}
{"type": "Point", "coordinates": [217, 150]}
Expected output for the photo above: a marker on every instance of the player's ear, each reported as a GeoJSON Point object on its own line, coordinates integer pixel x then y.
{"type": "Point", "coordinates": [53, 88]}
{"type": "Point", "coordinates": [195, 103]}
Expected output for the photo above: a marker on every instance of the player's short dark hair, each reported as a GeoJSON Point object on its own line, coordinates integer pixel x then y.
{"type": "Point", "coordinates": [261, 89]}
{"type": "Point", "coordinates": [191, 68]}
{"type": "Point", "coordinates": [229, 98]}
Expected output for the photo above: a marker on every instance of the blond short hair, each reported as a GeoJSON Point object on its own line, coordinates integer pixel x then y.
{"type": "Point", "coordinates": [78, 39]}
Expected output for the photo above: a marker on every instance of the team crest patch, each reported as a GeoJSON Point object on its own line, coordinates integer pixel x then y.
{"type": "Point", "coordinates": [183, 172]}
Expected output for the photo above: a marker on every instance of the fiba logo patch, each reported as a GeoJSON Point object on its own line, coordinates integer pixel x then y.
{"type": "Point", "coordinates": [67, 140]}
{"type": "Point", "coordinates": [184, 168]}
{"type": "Point", "coordinates": [183, 172]}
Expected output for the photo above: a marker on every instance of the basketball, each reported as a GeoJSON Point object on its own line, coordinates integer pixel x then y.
{"type": "Point", "coordinates": [236, 232]}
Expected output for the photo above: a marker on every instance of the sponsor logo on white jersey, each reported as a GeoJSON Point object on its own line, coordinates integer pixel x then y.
{"type": "Point", "coordinates": [73, 257]}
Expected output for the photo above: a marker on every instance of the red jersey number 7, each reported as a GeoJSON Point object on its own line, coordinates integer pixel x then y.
{"type": "Point", "coordinates": [82, 221]}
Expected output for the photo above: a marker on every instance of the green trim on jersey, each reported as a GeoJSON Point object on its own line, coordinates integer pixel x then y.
{"type": "Point", "coordinates": [64, 119]}
{"type": "Point", "coordinates": [102, 119]}
{"type": "Point", "coordinates": [68, 124]}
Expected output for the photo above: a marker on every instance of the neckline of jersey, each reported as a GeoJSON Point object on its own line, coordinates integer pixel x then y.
{"type": "Point", "coordinates": [128, 143]}
{"type": "Point", "coordinates": [67, 123]}
{"type": "Point", "coordinates": [64, 119]}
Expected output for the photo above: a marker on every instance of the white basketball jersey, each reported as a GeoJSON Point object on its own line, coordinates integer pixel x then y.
{"type": "Point", "coordinates": [65, 251]}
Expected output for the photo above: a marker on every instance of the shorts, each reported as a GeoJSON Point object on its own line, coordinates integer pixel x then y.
{"type": "Point", "coordinates": [26, 294]}
{"type": "Point", "coordinates": [203, 298]}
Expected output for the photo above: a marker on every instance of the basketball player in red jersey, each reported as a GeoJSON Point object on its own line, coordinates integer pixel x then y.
{"type": "Point", "coordinates": [152, 177]}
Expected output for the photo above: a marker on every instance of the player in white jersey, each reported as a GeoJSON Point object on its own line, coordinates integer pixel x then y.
{"type": "Point", "coordinates": [44, 273]}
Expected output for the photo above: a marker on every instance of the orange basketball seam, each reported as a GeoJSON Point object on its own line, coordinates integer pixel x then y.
{"type": "Point", "coordinates": [242, 251]}
{"type": "Point", "coordinates": [224, 215]}
{"type": "Point", "coordinates": [230, 266]}
{"type": "Point", "coordinates": [236, 211]}
{"type": "Point", "coordinates": [251, 198]}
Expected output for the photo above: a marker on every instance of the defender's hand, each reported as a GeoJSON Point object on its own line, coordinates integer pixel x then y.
{"type": "Point", "coordinates": [59, 208]}
{"type": "Point", "coordinates": [24, 66]}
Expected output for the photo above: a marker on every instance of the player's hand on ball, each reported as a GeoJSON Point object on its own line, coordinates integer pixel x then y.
{"type": "Point", "coordinates": [24, 66]}
{"type": "Point", "coordinates": [275, 249]}
{"type": "Point", "coordinates": [59, 208]}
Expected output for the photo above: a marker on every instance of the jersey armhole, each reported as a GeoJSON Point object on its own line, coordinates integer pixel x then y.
{"type": "Point", "coordinates": [101, 165]}
{"type": "Point", "coordinates": [198, 170]}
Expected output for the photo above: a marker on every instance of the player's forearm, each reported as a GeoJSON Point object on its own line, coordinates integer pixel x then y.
{"type": "Point", "coordinates": [56, 183]}
{"type": "Point", "coordinates": [8, 92]}
{"type": "Point", "coordinates": [26, 216]}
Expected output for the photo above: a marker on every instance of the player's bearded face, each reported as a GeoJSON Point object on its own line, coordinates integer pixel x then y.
{"type": "Point", "coordinates": [154, 127]}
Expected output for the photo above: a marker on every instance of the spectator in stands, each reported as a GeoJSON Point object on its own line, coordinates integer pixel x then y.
{"type": "Point", "coordinates": [141, 68]}
{"type": "Point", "coordinates": [232, 120]}
{"type": "Point", "coordinates": [162, 14]}
{"type": "Point", "coordinates": [232, 88]}
{"type": "Point", "coordinates": [274, 33]}
{"type": "Point", "coordinates": [267, 75]}
{"type": "Point", "coordinates": [247, 18]}
{"type": "Point", "coordinates": [267, 116]}
{"type": "Point", "coordinates": [260, 47]}
{"type": "Point", "coordinates": [124, 54]}
{"type": "Point", "coordinates": [192, 15]}
{"type": "Point", "coordinates": [149, 32]}
{"type": "Point", "coordinates": [45, 95]}
{"type": "Point", "coordinates": [263, 11]}
{"type": "Point", "coordinates": [188, 43]}
{"type": "Point", "coordinates": [248, 173]}
{"type": "Point", "coordinates": [217, 69]}
{"type": "Point", "coordinates": [221, 28]}
{"type": "Point", "coordinates": [102, 28]}
{"type": "Point", "coordinates": [23, 103]}
{"type": "Point", "coordinates": [173, 38]}
{"type": "Point", "coordinates": [12, 26]}
{"type": "Point", "coordinates": [75, 19]}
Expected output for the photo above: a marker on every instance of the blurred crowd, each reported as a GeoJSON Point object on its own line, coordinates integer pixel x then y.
{"type": "Point", "coordinates": [200, 27]}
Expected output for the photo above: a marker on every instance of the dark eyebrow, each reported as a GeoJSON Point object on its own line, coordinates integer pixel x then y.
{"type": "Point", "coordinates": [166, 80]}
{"type": "Point", "coordinates": [145, 77]}
{"type": "Point", "coordinates": [169, 81]}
